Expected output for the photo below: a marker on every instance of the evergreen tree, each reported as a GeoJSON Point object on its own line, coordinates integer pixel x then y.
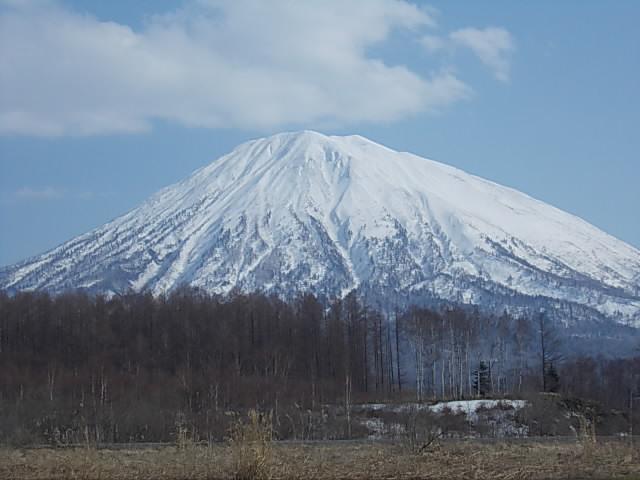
{"type": "Point", "coordinates": [482, 380]}
{"type": "Point", "coordinates": [552, 379]}
{"type": "Point", "coordinates": [550, 349]}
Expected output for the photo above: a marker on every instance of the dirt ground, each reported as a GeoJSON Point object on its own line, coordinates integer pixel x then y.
{"type": "Point", "coordinates": [337, 460]}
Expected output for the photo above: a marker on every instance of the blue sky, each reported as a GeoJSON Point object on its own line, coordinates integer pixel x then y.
{"type": "Point", "coordinates": [103, 103]}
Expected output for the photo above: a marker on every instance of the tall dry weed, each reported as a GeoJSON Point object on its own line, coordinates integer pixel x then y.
{"type": "Point", "coordinates": [250, 442]}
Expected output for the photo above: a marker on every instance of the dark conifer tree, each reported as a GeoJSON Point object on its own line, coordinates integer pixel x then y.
{"type": "Point", "coordinates": [482, 380]}
{"type": "Point", "coordinates": [552, 379]}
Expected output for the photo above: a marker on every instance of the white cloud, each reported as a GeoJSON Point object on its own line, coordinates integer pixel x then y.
{"type": "Point", "coordinates": [433, 43]}
{"type": "Point", "coordinates": [447, 88]}
{"type": "Point", "coordinates": [214, 63]}
{"type": "Point", "coordinates": [492, 45]}
{"type": "Point", "coordinates": [43, 193]}
{"type": "Point", "coordinates": [49, 193]}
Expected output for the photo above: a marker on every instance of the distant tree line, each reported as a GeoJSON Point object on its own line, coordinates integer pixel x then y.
{"type": "Point", "coordinates": [135, 367]}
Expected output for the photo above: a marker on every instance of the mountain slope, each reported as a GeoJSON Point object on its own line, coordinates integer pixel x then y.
{"type": "Point", "coordinates": [304, 211]}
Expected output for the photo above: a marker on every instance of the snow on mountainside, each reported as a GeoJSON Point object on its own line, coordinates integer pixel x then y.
{"type": "Point", "coordinates": [304, 211]}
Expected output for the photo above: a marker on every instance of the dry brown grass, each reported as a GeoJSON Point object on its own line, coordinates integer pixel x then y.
{"type": "Point", "coordinates": [336, 460]}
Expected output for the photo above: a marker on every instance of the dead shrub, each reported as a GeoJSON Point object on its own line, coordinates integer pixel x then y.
{"type": "Point", "coordinates": [421, 430]}
{"type": "Point", "coordinates": [250, 442]}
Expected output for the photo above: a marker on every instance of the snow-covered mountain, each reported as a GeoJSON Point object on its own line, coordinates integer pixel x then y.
{"type": "Point", "coordinates": [307, 212]}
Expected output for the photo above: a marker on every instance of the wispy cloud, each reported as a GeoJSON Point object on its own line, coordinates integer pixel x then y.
{"type": "Point", "coordinates": [493, 46]}
{"type": "Point", "coordinates": [433, 43]}
{"type": "Point", "coordinates": [49, 193]}
{"type": "Point", "coordinates": [41, 193]}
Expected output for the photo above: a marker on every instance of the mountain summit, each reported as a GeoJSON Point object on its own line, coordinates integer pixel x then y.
{"type": "Point", "coordinates": [300, 212]}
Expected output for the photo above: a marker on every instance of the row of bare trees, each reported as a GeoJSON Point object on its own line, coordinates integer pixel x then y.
{"type": "Point", "coordinates": [451, 345]}
{"type": "Point", "coordinates": [137, 367]}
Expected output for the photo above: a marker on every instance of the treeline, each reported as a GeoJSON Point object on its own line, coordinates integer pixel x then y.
{"type": "Point", "coordinates": [141, 368]}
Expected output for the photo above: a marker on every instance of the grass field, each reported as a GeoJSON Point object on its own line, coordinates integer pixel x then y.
{"type": "Point", "coordinates": [337, 460]}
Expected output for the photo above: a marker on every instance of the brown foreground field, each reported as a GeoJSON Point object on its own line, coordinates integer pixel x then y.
{"type": "Point", "coordinates": [337, 460]}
